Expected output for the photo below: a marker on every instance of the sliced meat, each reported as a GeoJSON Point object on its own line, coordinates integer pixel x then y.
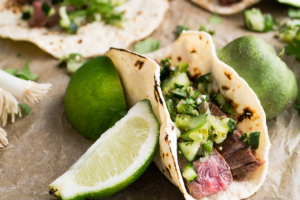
{"type": "Point", "coordinates": [246, 171]}
{"type": "Point", "coordinates": [228, 2]}
{"type": "Point", "coordinates": [213, 175]}
{"type": "Point", "coordinates": [240, 158]}
{"type": "Point", "coordinates": [214, 110]}
{"type": "Point", "coordinates": [231, 144]}
{"type": "Point", "coordinates": [237, 154]}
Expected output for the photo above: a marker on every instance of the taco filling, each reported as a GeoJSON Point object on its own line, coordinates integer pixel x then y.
{"type": "Point", "coordinates": [70, 14]}
{"type": "Point", "coordinates": [212, 151]}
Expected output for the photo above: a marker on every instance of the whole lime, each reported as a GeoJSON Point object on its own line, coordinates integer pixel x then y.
{"type": "Point", "coordinates": [268, 76]}
{"type": "Point", "coordinates": [94, 100]}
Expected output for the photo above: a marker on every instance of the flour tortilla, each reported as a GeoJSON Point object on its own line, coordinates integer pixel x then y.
{"type": "Point", "coordinates": [140, 79]}
{"type": "Point", "coordinates": [142, 18]}
{"type": "Point", "coordinates": [215, 7]}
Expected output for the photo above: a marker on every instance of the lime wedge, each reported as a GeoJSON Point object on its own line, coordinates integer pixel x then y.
{"type": "Point", "coordinates": [118, 158]}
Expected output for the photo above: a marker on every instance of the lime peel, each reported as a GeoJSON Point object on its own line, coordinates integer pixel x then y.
{"type": "Point", "coordinates": [72, 184]}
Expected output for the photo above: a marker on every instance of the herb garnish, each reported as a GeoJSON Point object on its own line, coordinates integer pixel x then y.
{"type": "Point", "coordinates": [146, 46]}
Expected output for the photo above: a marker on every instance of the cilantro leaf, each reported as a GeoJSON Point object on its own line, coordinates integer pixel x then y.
{"type": "Point", "coordinates": [292, 49]}
{"type": "Point", "coordinates": [180, 28]}
{"type": "Point", "coordinates": [26, 108]}
{"type": "Point", "coordinates": [26, 74]}
{"type": "Point", "coordinates": [215, 19]}
{"type": "Point", "coordinates": [18, 55]}
{"type": "Point", "coordinates": [293, 13]}
{"type": "Point", "coordinates": [11, 71]}
{"type": "Point", "coordinates": [147, 45]}
{"type": "Point", "coordinates": [205, 29]}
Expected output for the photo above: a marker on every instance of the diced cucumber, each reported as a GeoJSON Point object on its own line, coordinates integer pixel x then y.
{"type": "Point", "coordinates": [220, 130]}
{"type": "Point", "coordinates": [188, 122]}
{"type": "Point", "coordinates": [230, 123]}
{"type": "Point", "coordinates": [27, 12]}
{"type": "Point", "coordinates": [189, 173]}
{"type": "Point", "coordinates": [176, 79]}
{"type": "Point", "coordinates": [64, 22]}
{"type": "Point", "coordinates": [197, 137]}
{"type": "Point", "coordinates": [47, 9]}
{"type": "Point", "coordinates": [179, 93]}
{"type": "Point", "coordinates": [222, 103]}
{"type": "Point", "coordinates": [198, 134]}
{"type": "Point", "coordinates": [254, 20]}
{"type": "Point", "coordinates": [189, 149]}
{"type": "Point", "coordinates": [74, 62]}
{"type": "Point", "coordinates": [254, 139]}
{"type": "Point", "coordinates": [208, 146]}
{"type": "Point", "coordinates": [182, 67]}
{"type": "Point", "coordinates": [268, 22]}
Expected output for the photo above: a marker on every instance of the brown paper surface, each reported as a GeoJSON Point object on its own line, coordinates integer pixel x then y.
{"type": "Point", "coordinates": [43, 145]}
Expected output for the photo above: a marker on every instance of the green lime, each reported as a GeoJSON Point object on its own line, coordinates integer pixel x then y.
{"type": "Point", "coordinates": [94, 99]}
{"type": "Point", "coordinates": [257, 63]}
{"type": "Point", "coordinates": [118, 158]}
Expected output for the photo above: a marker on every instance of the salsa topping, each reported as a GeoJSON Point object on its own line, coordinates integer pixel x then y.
{"type": "Point", "coordinates": [205, 122]}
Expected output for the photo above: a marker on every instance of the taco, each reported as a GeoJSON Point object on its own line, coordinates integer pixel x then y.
{"type": "Point", "coordinates": [226, 167]}
{"type": "Point", "coordinates": [88, 28]}
{"type": "Point", "coordinates": [225, 7]}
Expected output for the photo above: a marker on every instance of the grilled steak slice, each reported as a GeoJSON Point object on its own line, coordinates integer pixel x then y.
{"type": "Point", "coordinates": [231, 144]}
{"type": "Point", "coordinates": [213, 175]}
{"type": "Point", "coordinates": [245, 171]}
{"type": "Point", "coordinates": [240, 158]}
{"type": "Point", "coordinates": [238, 155]}
{"type": "Point", "coordinates": [214, 110]}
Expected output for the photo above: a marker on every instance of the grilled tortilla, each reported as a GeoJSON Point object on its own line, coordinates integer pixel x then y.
{"type": "Point", "coordinates": [140, 79]}
{"type": "Point", "coordinates": [142, 18]}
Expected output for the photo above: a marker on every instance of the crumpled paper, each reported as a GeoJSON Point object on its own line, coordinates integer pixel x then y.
{"type": "Point", "coordinates": [43, 145]}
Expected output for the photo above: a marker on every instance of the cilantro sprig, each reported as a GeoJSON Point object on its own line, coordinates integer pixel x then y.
{"type": "Point", "coordinates": [146, 46]}
{"type": "Point", "coordinates": [23, 74]}
{"type": "Point", "coordinates": [294, 49]}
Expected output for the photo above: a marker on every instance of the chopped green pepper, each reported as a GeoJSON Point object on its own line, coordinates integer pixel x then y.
{"type": "Point", "coordinates": [254, 139]}
{"type": "Point", "coordinates": [244, 138]}
{"type": "Point", "coordinates": [208, 146]}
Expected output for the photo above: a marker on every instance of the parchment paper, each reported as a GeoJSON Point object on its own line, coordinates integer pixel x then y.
{"type": "Point", "coordinates": [43, 145]}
